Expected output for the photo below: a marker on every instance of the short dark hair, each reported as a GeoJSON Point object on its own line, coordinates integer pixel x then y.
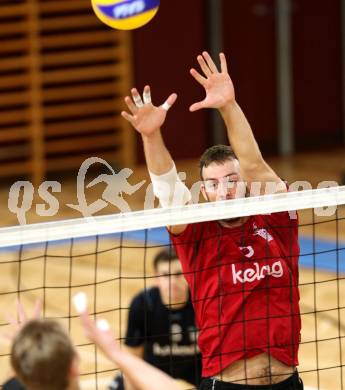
{"type": "Point", "coordinates": [42, 355]}
{"type": "Point", "coordinates": [165, 255]}
{"type": "Point", "coordinates": [217, 154]}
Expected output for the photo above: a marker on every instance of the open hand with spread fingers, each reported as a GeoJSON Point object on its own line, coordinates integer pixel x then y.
{"type": "Point", "coordinates": [102, 336]}
{"type": "Point", "coordinates": [145, 117]}
{"type": "Point", "coordinates": [18, 321]}
{"type": "Point", "coordinates": [218, 84]}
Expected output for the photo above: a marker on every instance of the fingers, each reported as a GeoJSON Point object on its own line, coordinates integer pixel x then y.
{"type": "Point", "coordinates": [96, 331]}
{"type": "Point", "coordinates": [102, 325]}
{"type": "Point", "coordinates": [210, 62]}
{"type": "Point", "coordinates": [139, 103]}
{"type": "Point", "coordinates": [7, 336]}
{"type": "Point", "coordinates": [37, 309]}
{"type": "Point", "coordinates": [169, 102]}
{"type": "Point", "coordinates": [87, 324]}
{"type": "Point", "coordinates": [131, 106]}
{"type": "Point", "coordinates": [147, 95]}
{"type": "Point", "coordinates": [21, 312]}
{"type": "Point", "coordinates": [17, 322]}
{"type": "Point", "coordinates": [208, 66]}
{"type": "Point", "coordinates": [204, 66]}
{"type": "Point", "coordinates": [13, 329]}
{"type": "Point", "coordinates": [90, 326]}
{"type": "Point", "coordinates": [196, 106]}
{"type": "Point", "coordinates": [10, 319]}
{"type": "Point", "coordinates": [86, 320]}
{"type": "Point", "coordinates": [200, 79]}
{"type": "Point", "coordinates": [223, 64]}
{"type": "Point", "coordinates": [172, 99]}
{"type": "Point", "coordinates": [137, 98]}
{"type": "Point", "coordinates": [80, 304]}
{"type": "Point", "coordinates": [136, 102]}
{"type": "Point", "coordinates": [129, 118]}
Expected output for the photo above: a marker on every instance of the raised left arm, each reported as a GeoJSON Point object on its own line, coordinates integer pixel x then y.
{"type": "Point", "coordinates": [252, 165]}
{"type": "Point", "coordinates": [220, 94]}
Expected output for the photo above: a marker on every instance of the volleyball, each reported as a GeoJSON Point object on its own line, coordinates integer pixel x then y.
{"type": "Point", "coordinates": [125, 14]}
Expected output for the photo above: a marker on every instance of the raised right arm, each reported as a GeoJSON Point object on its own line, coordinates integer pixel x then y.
{"type": "Point", "coordinates": [157, 156]}
{"type": "Point", "coordinates": [139, 353]}
{"type": "Point", "coordinates": [147, 119]}
{"type": "Point", "coordinates": [142, 375]}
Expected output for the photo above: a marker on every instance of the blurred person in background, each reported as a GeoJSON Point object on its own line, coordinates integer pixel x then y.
{"type": "Point", "coordinates": [161, 326]}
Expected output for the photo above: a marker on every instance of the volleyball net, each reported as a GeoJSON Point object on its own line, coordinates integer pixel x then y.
{"type": "Point", "coordinates": [110, 258]}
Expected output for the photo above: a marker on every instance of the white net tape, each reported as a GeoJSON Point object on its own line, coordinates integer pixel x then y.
{"type": "Point", "coordinates": [320, 199]}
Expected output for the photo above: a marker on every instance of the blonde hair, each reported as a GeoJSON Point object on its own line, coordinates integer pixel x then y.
{"type": "Point", "coordinates": [42, 354]}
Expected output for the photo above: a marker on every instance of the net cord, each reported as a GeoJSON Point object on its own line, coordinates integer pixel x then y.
{"type": "Point", "coordinates": [153, 218]}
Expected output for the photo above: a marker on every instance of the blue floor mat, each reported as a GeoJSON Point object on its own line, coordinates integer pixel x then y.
{"type": "Point", "coordinates": [327, 255]}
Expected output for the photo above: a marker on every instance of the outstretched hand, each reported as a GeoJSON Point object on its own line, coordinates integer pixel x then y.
{"type": "Point", "coordinates": [218, 84]}
{"type": "Point", "coordinates": [145, 117]}
{"type": "Point", "coordinates": [17, 322]}
{"type": "Point", "coordinates": [100, 334]}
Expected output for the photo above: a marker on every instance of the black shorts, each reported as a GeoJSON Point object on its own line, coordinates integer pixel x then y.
{"type": "Point", "coordinates": [294, 382]}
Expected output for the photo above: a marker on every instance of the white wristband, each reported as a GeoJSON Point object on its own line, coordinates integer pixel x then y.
{"type": "Point", "coordinates": [169, 189]}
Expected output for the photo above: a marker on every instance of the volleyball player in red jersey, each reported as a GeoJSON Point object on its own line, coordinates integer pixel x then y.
{"type": "Point", "coordinates": [243, 272]}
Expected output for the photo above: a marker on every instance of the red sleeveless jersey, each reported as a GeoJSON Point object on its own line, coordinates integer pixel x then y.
{"type": "Point", "coordinates": [244, 288]}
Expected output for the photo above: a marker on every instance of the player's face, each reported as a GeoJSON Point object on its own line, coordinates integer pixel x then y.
{"type": "Point", "coordinates": [171, 283]}
{"type": "Point", "coordinates": [223, 181]}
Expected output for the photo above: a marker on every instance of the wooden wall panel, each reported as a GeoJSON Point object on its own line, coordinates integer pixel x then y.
{"type": "Point", "coordinates": [62, 78]}
{"type": "Point", "coordinates": [250, 45]}
{"type": "Point", "coordinates": [318, 100]}
{"type": "Point", "coordinates": [163, 53]}
{"type": "Point", "coordinates": [15, 88]}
